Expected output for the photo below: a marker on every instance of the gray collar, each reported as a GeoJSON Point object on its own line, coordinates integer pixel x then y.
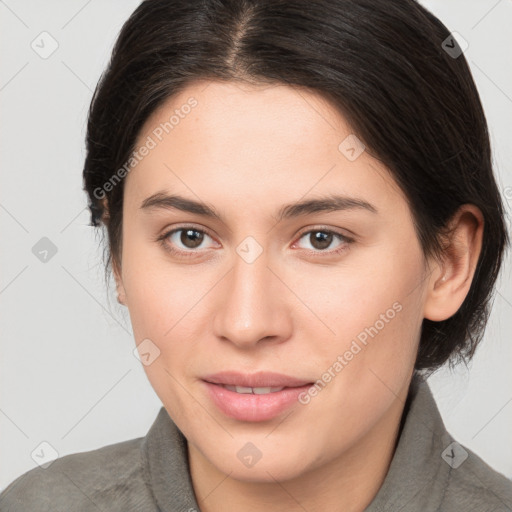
{"type": "Point", "coordinates": [416, 477]}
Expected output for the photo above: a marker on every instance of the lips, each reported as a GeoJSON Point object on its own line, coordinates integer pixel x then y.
{"type": "Point", "coordinates": [255, 380]}
{"type": "Point", "coordinates": [254, 397]}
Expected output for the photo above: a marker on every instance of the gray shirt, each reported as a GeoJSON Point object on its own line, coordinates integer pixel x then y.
{"type": "Point", "coordinates": [429, 472]}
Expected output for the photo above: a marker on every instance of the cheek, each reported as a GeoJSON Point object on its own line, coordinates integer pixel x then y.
{"type": "Point", "coordinates": [163, 309]}
{"type": "Point", "coordinates": [370, 310]}
{"type": "Point", "coordinates": [166, 304]}
{"type": "Point", "coordinates": [158, 292]}
{"type": "Point", "coordinates": [354, 294]}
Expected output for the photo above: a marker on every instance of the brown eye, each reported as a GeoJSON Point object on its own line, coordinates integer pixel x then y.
{"type": "Point", "coordinates": [184, 239]}
{"type": "Point", "coordinates": [191, 238]}
{"type": "Point", "coordinates": [321, 240]}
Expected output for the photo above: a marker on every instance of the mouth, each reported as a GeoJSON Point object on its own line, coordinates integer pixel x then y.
{"type": "Point", "coordinates": [254, 391]}
{"type": "Point", "coordinates": [255, 381]}
{"type": "Point", "coordinates": [254, 397]}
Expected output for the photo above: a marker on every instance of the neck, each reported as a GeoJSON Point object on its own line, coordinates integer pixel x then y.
{"type": "Point", "coordinates": [348, 482]}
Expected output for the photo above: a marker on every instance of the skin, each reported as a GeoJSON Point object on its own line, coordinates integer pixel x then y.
{"type": "Point", "coordinates": [247, 150]}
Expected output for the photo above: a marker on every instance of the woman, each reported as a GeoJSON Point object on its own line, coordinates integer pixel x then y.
{"type": "Point", "coordinates": [304, 224]}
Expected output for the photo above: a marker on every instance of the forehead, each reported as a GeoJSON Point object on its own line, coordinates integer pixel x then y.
{"type": "Point", "coordinates": [264, 141]}
{"type": "Point", "coordinates": [260, 117]}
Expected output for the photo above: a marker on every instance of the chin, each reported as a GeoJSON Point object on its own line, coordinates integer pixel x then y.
{"type": "Point", "coordinates": [275, 466]}
{"type": "Point", "coordinates": [262, 474]}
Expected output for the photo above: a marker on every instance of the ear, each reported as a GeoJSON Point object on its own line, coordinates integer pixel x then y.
{"type": "Point", "coordinates": [451, 278]}
{"type": "Point", "coordinates": [105, 216]}
{"type": "Point", "coordinates": [121, 293]}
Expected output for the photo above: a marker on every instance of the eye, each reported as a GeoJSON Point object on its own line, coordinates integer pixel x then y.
{"type": "Point", "coordinates": [321, 239]}
{"type": "Point", "coordinates": [185, 238]}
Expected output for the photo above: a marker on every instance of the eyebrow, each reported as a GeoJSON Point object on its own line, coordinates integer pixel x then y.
{"type": "Point", "coordinates": [331, 203]}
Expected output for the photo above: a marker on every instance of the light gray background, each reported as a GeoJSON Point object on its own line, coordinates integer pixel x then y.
{"type": "Point", "coordinates": [67, 369]}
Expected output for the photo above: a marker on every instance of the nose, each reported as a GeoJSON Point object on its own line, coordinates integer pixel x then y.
{"type": "Point", "coordinates": [254, 305]}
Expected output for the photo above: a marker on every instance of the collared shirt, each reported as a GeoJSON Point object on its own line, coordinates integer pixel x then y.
{"type": "Point", "coordinates": [429, 472]}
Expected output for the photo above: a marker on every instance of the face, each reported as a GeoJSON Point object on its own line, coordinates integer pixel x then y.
{"type": "Point", "coordinates": [330, 297]}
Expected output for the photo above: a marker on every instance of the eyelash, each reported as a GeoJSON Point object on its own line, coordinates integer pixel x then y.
{"type": "Point", "coordinates": [191, 253]}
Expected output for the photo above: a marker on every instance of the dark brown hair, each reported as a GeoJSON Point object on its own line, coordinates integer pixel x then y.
{"type": "Point", "coordinates": [391, 68]}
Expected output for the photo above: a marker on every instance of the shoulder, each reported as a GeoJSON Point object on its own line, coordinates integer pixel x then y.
{"type": "Point", "coordinates": [108, 478]}
{"type": "Point", "coordinates": [473, 485]}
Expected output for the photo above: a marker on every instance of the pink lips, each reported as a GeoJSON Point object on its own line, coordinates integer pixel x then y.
{"type": "Point", "coordinates": [247, 406]}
